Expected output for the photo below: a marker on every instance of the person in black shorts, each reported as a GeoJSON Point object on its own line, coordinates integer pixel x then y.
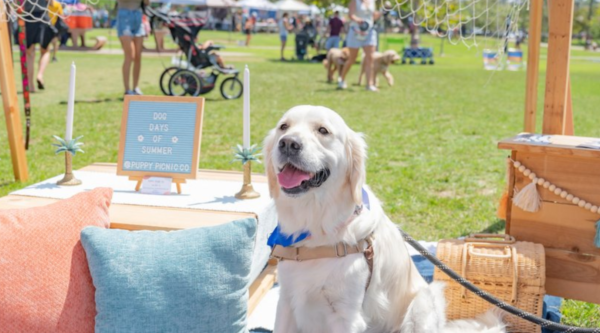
{"type": "Point", "coordinates": [37, 31]}
{"type": "Point", "coordinates": [249, 26]}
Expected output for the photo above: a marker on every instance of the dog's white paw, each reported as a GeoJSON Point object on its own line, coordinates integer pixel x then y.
{"type": "Point", "coordinates": [488, 322]}
{"type": "Point", "coordinates": [427, 311]}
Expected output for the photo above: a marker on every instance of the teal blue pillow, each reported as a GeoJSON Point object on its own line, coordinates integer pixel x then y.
{"type": "Point", "coordinates": [193, 280]}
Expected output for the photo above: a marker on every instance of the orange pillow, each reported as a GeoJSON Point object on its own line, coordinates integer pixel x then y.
{"type": "Point", "coordinates": [45, 282]}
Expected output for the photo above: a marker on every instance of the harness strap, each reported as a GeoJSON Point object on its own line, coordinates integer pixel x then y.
{"type": "Point", "coordinates": [339, 250]}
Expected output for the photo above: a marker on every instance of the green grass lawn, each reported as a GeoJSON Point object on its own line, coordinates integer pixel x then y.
{"type": "Point", "coordinates": [432, 137]}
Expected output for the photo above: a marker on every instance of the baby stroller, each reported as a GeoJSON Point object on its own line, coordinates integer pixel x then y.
{"type": "Point", "coordinates": [197, 74]}
{"type": "Point", "coordinates": [305, 38]}
{"type": "Point", "coordinates": [302, 40]}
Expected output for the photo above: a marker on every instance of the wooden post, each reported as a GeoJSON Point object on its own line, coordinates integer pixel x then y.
{"type": "Point", "coordinates": [533, 63]}
{"type": "Point", "coordinates": [569, 128]}
{"type": "Point", "coordinates": [560, 19]}
{"type": "Point", "coordinates": [10, 103]}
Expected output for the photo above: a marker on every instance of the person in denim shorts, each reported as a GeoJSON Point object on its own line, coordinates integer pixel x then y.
{"type": "Point", "coordinates": [361, 33]}
{"type": "Point", "coordinates": [131, 34]}
{"type": "Point", "coordinates": [284, 28]}
{"type": "Point", "coordinates": [334, 29]}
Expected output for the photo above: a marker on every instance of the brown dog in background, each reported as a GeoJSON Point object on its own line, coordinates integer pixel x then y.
{"type": "Point", "coordinates": [335, 62]}
{"type": "Point", "coordinates": [381, 62]}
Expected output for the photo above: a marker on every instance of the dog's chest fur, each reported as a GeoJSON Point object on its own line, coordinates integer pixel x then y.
{"type": "Point", "coordinates": [323, 290]}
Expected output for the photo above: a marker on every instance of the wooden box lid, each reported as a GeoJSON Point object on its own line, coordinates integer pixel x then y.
{"type": "Point", "coordinates": [553, 144]}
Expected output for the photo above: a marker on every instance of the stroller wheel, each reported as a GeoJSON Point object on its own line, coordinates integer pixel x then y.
{"type": "Point", "coordinates": [231, 88]}
{"type": "Point", "coordinates": [165, 77]}
{"type": "Point", "coordinates": [185, 82]}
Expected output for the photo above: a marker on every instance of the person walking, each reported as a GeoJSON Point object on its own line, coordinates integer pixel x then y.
{"type": "Point", "coordinates": [361, 34]}
{"type": "Point", "coordinates": [284, 28]}
{"type": "Point", "coordinates": [37, 31]}
{"type": "Point", "coordinates": [55, 10]}
{"type": "Point", "coordinates": [248, 27]}
{"type": "Point", "coordinates": [131, 34]}
{"type": "Point", "coordinates": [334, 28]}
{"type": "Point", "coordinates": [50, 34]}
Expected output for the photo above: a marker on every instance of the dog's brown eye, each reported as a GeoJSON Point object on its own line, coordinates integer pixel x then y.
{"type": "Point", "coordinates": [283, 127]}
{"type": "Point", "coordinates": [323, 131]}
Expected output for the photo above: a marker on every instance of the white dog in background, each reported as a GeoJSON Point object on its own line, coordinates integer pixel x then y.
{"type": "Point", "coordinates": [316, 169]}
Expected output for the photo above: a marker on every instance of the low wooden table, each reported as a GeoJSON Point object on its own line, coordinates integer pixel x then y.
{"type": "Point", "coordinates": [132, 217]}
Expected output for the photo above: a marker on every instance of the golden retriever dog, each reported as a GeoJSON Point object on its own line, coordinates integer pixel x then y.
{"type": "Point", "coordinates": [336, 58]}
{"type": "Point", "coordinates": [381, 63]}
{"type": "Point", "coordinates": [344, 267]}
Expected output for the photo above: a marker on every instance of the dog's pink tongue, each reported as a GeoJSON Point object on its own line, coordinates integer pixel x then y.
{"type": "Point", "coordinates": [291, 177]}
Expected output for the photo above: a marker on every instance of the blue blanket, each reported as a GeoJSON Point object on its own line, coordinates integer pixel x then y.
{"type": "Point", "coordinates": [551, 310]}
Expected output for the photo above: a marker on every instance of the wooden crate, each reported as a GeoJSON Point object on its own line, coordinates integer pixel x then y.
{"type": "Point", "coordinates": [566, 230]}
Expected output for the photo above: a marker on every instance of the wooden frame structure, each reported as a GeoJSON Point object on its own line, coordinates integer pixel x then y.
{"type": "Point", "coordinates": [563, 226]}
{"type": "Point", "coordinates": [558, 114]}
{"type": "Point", "coordinates": [11, 103]}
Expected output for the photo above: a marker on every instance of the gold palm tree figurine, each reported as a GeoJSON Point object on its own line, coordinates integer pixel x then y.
{"type": "Point", "coordinates": [246, 156]}
{"type": "Point", "coordinates": [69, 148]}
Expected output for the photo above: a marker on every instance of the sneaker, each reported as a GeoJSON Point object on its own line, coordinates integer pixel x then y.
{"type": "Point", "coordinates": [130, 92]}
{"type": "Point", "coordinates": [54, 59]}
{"type": "Point", "coordinates": [342, 84]}
{"type": "Point", "coordinates": [137, 91]}
{"type": "Point", "coordinates": [372, 88]}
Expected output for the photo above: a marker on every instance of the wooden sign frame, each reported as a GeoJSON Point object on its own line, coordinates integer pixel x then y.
{"type": "Point", "coordinates": [178, 178]}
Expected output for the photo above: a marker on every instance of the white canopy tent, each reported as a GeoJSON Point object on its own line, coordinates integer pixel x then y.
{"type": "Point", "coordinates": [207, 3]}
{"type": "Point", "coordinates": [314, 10]}
{"type": "Point", "coordinates": [256, 4]}
{"type": "Point", "coordinates": [292, 6]}
{"type": "Point", "coordinates": [338, 8]}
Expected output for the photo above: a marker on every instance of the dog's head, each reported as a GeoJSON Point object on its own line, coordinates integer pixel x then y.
{"type": "Point", "coordinates": [312, 149]}
{"type": "Point", "coordinates": [390, 57]}
{"type": "Point", "coordinates": [345, 53]}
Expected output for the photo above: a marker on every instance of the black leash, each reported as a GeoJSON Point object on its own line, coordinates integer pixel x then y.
{"type": "Point", "coordinates": [491, 299]}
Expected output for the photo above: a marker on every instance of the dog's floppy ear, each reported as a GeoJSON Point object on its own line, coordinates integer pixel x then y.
{"type": "Point", "coordinates": [389, 58]}
{"type": "Point", "coordinates": [356, 152]}
{"type": "Point", "coordinates": [268, 145]}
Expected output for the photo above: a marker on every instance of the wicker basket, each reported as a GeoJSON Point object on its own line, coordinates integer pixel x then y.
{"type": "Point", "coordinates": [512, 271]}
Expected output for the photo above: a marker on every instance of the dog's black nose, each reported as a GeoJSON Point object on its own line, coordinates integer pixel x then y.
{"type": "Point", "coordinates": [290, 145]}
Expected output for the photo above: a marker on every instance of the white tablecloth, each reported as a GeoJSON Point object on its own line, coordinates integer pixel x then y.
{"type": "Point", "coordinates": [202, 194]}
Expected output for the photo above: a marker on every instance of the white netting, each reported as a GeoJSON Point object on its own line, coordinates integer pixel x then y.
{"type": "Point", "coordinates": [463, 21]}
{"type": "Point", "coordinates": [30, 10]}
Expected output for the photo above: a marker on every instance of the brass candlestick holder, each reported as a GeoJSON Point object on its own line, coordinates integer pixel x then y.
{"type": "Point", "coordinates": [70, 148]}
{"type": "Point", "coordinates": [246, 156]}
{"type": "Point", "coordinates": [247, 191]}
{"type": "Point", "coordinates": [69, 178]}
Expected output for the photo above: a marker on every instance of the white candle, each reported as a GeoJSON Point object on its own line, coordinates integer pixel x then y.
{"type": "Point", "coordinates": [71, 105]}
{"type": "Point", "coordinates": [246, 107]}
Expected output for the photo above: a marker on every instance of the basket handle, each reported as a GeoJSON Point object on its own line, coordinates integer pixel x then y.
{"type": "Point", "coordinates": [491, 238]}
{"type": "Point", "coordinates": [510, 252]}
{"type": "Point", "coordinates": [507, 251]}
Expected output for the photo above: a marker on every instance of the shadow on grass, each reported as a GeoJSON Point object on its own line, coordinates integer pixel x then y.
{"type": "Point", "coordinates": [6, 182]}
{"type": "Point", "coordinates": [296, 62]}
{"type": "Point", "coordinates": [217, 99]}
{"type": "Point", "coordinates": [94, 101]}
{"type": "Point", "coordinates": [341, 91]}
{"type": "Point", "coordinates": [494, 228]}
